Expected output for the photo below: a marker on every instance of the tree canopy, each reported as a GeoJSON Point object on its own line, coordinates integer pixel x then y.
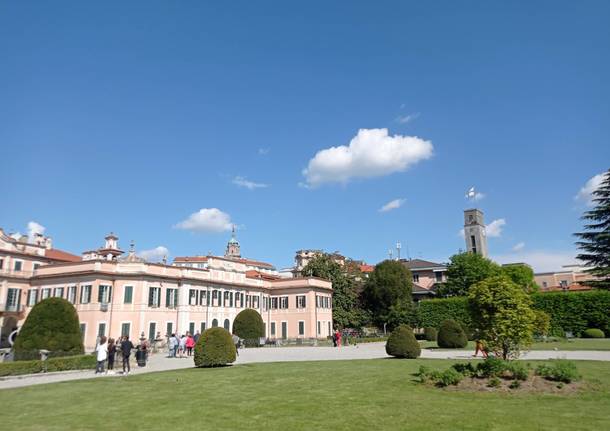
{"type": "Point", "coordinates": [522, 275]}
{"type": "Point", "coordinates": [595, 240]}
{"type": "Point", "coordinates": [388, 290]}
{"type": "Point", "coordinates": [464, 270]}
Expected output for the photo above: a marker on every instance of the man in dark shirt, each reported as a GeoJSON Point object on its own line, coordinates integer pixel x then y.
{"type": "Point", "coordinates": [196, 337]}
{"type": "Point", "coordinates": [126, 348]}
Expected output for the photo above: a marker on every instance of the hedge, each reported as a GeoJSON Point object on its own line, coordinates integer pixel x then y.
{"type": "Point", "coordinates": [248, 325]}
{"type": "Point", "coordinates": [569, 311]}
{"type": "Point", "coordinates": [17, 368]}
{"type": "Point", "coordinates": [215, 348]}
{"type": "Point", "coordinates": [402, 343]}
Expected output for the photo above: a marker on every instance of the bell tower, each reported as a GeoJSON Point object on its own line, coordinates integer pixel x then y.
{"type": "Point", "coordinates": [233, 249]}
{"type": "Point", "coordinates": [474, 232]}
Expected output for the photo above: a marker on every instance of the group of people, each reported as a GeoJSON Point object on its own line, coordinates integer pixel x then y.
{"type": "Point", "coordinates": [106, 351]}
{"type": "Point", "coordinates": [179, 346]}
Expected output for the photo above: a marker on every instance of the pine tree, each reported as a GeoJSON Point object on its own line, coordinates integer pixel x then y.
{"type": "Point", "coordinates": [595, 241]}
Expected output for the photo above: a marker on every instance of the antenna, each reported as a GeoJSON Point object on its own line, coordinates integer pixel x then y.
{"type": "Point", "coordinates": [390, 252]}
{"type": "Point", "coordinates": [398, 247]}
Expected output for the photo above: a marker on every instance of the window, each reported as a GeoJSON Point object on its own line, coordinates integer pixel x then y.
{"type": "Point", "coordinates": [128, 295]}
{"type": "Point", "coordinates": [301, 301]}
{"type": "Point", "coordinates": [83, 331]}
{"type": "Point", "coordinates": [46, 293]}
{"type": "Point", "coordinates": [58, 292]}
{"type": "Point", "coordinates": [169, 328]}
{"type": "Point", "coordinates": [231, 299]}
{"type": "Point", "coordinates": [101, 329]}
{"type": "Point", "coordinates": [248, 299]}
{"type": "Point", "coordinates": [227, 325]}
{"type": "Point", "coordinates": [1, 263]}
{"type": "Point", "coordinates": [242, 300]}
{"type": "Point", "coordinates": [36, 266]}
{"type": "Point", "coordinates": [273, 329]}
{"type": "Point", "coordinates": [329, 329]}
{"type": "Point", "coordinates": [214, 323]}
{"type": "Point", "coordinates": [283, 302]}
{"type": "Point", "coordinates": [255, 301]}
{"type": "Point", "coordinates": [265, 303]}
{"type": "Point", "coordinates": [203, 297]}
{"type": "Point", "coordinates": [125, 329]}
{"type": "Point", "coordinates": [193, 294]}
{"type": "Point", "coordinates": [563, 283]}
{"type": "Point", "coordinates": [191, 328]}
{"type": "Point", "coordinates": [13, 299]}
{"type": "Point", "coordinates": [327, 302]}
{"type": "Point", "coordinates": [154, 297]}
{"type": "Point", "coordinates": [202, 327]}
{"type": "Point", "coordinates": [439, 277]}
{"type": "Point", "coordinates": [18, 265]}
{"type": "Point", "coordinates": [32, 297]}
{"type": "Point", "coordinates": [85, 294]}
{"type": "Point", "coordinates": [545, 284]}
{"type": "Point", "coordinates": [152, 331]}
{"type": "Point", "coordinates": [284, 330]}
{"type": "Point", "coordinates": [72, 294]}
{"type": "Point", "coordinates": [214, 298]}
{"type": "Point", "coordinates": [103, 294]}
{"type": "Point", "coordinates": [415, 278]}
{"type": "Point", "coordinates": [301, 327]}
{"type": "Point", "coordinates": [171, 298]}
{"type": "Point", "coordinates": [319, 327]}
{"type": "Point", "coordinates": [274, 303]}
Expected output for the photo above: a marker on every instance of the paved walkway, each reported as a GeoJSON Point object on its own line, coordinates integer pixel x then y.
{"type": "Point", "coordinates": [282, 354]}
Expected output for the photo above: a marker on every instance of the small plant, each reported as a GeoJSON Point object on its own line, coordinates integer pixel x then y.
{"type": "Point", "coordinates": [449, 377]}
{"type": "Point", "coordinates": [515, 384]}
{"type": "Point", "coordinates": [423, 373]}
{"type": "Point", "coordinates": [466, 369]}
{"type": "Point", "coordinates": [491, 367]}
{"type": "Point", "coordinates": [559, 371]}
{"type": "Point", "coordinates": [494, 382]}
{"type": "Point", "coordinates": [518, 370]}
{"type": "Point", "coordinates": [593, 333]}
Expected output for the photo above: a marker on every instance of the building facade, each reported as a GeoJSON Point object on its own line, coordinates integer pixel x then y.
{"type": "Point", "coordinates": [117, 295]}
{"type": "Point", "coordinates": [425, 275]}
{"type": "Point", "coordinates": [570, 278]}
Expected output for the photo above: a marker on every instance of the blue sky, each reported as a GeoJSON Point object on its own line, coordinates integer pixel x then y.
{"type": "Point", "coordinates": [133, 116]}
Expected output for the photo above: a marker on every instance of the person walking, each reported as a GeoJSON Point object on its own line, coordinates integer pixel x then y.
{"type": "Point", "coordinates": [102, 355]}
{"type": "Point", "coordinates": [111, 355]}
{"type": "Point", "coordinates": [196, 337]}
{"type": "Point", "coordinates": [190, 343]}
{"type": "Point", "coordinates": [126, 348]}
{"type": "Point", "coordinates": [236, 342]}
{"type": "Point", "coordinates": [182, 346]}
{"type": "Point", "coordinates": [338, 335]}
{"type": "Point", "coordinates": [171, 345]}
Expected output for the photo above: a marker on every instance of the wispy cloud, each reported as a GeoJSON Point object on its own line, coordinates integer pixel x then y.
{"type": "Point", "coordinates": [540, 260]}
{"type": "Point", "coordinates": [206, 220]}
{"type": "Point", "coordinates": [154, 254]}
{"type": "Point", "coordinates": [519, 246]}
{"type": "Point", "coordinates": [474, 196]}
{"type": "Point", "coordinates": [404, 119]}
{"type": "Point", "coordinates": [493, 229]}
{"type": "Point", "coordinates": [263, 151]}
{"type": "Point", "coordinates": [250, 185]}
{"type": "Point", "coordinates": [392, 205]}
{"type": "Point", "coordinates": [585, 193]}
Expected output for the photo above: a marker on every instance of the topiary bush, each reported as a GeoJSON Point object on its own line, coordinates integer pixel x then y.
{"type": "Point", "coordinates": [249, 326]}
{"type": "Point", "coordinates": [215, 348]}
{"type": "Point", "coordinates": [430, 333]}
{"type": "Point", "coordinates": [402, 343]}
{"type": "Point", "coordinates": [451, 335]}
{"type": "Point", "coordinates": [51, 325]}
{"type": "Point", "coordinates": [593, 333]}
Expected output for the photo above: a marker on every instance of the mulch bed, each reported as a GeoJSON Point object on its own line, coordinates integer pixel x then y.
{"type": "Point", "coordinates": [534, 384]}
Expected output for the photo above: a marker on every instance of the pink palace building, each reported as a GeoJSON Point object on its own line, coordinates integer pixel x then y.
{"type": "Point", "coordinates": [117, 293]}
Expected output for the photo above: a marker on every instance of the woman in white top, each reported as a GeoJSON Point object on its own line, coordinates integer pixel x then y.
{"type": "Point", "coordinates": [102, 355]}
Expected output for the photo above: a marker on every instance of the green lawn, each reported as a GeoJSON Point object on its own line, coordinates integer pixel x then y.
{"type": "Point", "coordinates": [573, 344]}
{"type": "Point", "coordinates": [331, 395]}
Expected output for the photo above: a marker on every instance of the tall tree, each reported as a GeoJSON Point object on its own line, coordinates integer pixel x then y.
{"type": "Point", "coordinates": [522, 275]}
{"type": "Point", "coordinates": [347, 311]}
{"type": "Point", "coordinates": [387, 292]}
{"type": "Point", "coordinates": [464, 270]}
{"type": "Point", "coordinates": [595, 241]}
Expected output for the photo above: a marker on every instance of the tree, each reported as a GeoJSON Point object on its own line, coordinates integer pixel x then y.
{"type": "Point", "coordinates": [595, 241]}
{"type": "Point", "coordinates": [502, 313]}
{"type": "Point", "coordinates": [215, 348]}
{"type": "Point", "coordinates": [51, 325]}
{"type": "Point", "coordinates": [402, 343]}
{"type": "Point", "coordinates": [464, 270]}
{"type": "Point", "coordinates": [347, 310]}
{"type": "Point", "coordinates": [522, 275]}
{"type": "Point", "coordinates": [388, 290]}
{"type": "Point", "coordinates": [249, 326]}
{"type": "Point", "coordinates": [451, 335]}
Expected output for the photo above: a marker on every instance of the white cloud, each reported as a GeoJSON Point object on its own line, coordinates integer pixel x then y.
{"type": "Point", "coordinates": [206, 220]}
{"type": "Point", "coordinates": [371, 153]}
{"type": "Point", "coordinates": [263, 151]}
{"type": "Point", "coordinates": [404, 119]}
{"type": "Point", "coordinates": [154, 254]}
{"type": "Point", "coordinates": [250, 185]}
{"type": "Point", "coordinates": [473, 195]}
{"type": "Point", "coordinates": [392, 205]}
{"type": "Point", "coordinates": [584, 194]}
{"type": "Point", "coordinates": [540, 260]}
{"type": "Point", "coordinates": [35, 228]}
{"type": "Point", "coordinates": [494, 229]}
{"type": "Point", "coordinates": [519, 246]}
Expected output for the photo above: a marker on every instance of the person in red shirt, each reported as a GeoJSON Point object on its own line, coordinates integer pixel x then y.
{"type": "Point", "coordinates": [190, 343]}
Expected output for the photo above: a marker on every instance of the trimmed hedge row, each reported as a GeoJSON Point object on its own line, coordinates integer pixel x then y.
{"type": "Point", "coordinates": [17, 368]}
{"type": "Point", "coordinates": [569, 311]}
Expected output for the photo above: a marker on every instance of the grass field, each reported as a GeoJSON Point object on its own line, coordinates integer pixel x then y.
{"type": "Point", "coordinates": [329, 395]}
{"type": "Point", "coordinates": [572, 344]}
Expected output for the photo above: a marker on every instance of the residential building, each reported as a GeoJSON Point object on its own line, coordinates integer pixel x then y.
{"type": "Point", "coordinates": [425, 275]}
{"type": "Point", "coordinates": [570, 278]}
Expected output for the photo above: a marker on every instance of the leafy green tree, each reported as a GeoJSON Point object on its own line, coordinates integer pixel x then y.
{"type": "Point", "coordinates": [522, 275]}
{"type": "Point", "coordinates": [464, 270]}
{"type": "Point", "coordinates": [595, 241]}
{"type": "Point", "coordinates": [388, 290]}
{"type": "Point", "coordinates": [347, 309]}
{"type": "Point", "coordinates": [502, 313]}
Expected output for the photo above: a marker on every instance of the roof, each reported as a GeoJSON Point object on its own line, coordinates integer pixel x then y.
{"type": "Point", "coordinates": [255, 263]}
{"type": "Point", "coordinates": [61, 255]}
{"type": "Point", "coordinates": [419, 290]}
{"type": "Point", "coordinates": [260, 275]}
{"type": "Point", "coordinates": [420, 264]}
{"type": "Point", "coordinates": [191, 259]}
{"type": "Point", "coordinates": [367, 268]}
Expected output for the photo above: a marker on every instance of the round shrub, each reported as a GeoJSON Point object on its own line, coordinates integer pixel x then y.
{"type": "Point", "coordinates": [593, 333]}
{"type": "Point", "coordinates": [430, 333]}
{"type": "Point", "coordinates": [402, 343]}
{"type": "Point", "coordinates": [451, 335]}
{"type": "Point", "coordinates": [51, 325]}
{"type": "Point", "coordinates": [215, 348]}
{"type": "Point", "coordinates": [249, 326]}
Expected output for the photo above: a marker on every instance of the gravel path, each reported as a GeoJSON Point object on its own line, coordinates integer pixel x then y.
{"type": "Point", "coordinates": [282, 354]}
